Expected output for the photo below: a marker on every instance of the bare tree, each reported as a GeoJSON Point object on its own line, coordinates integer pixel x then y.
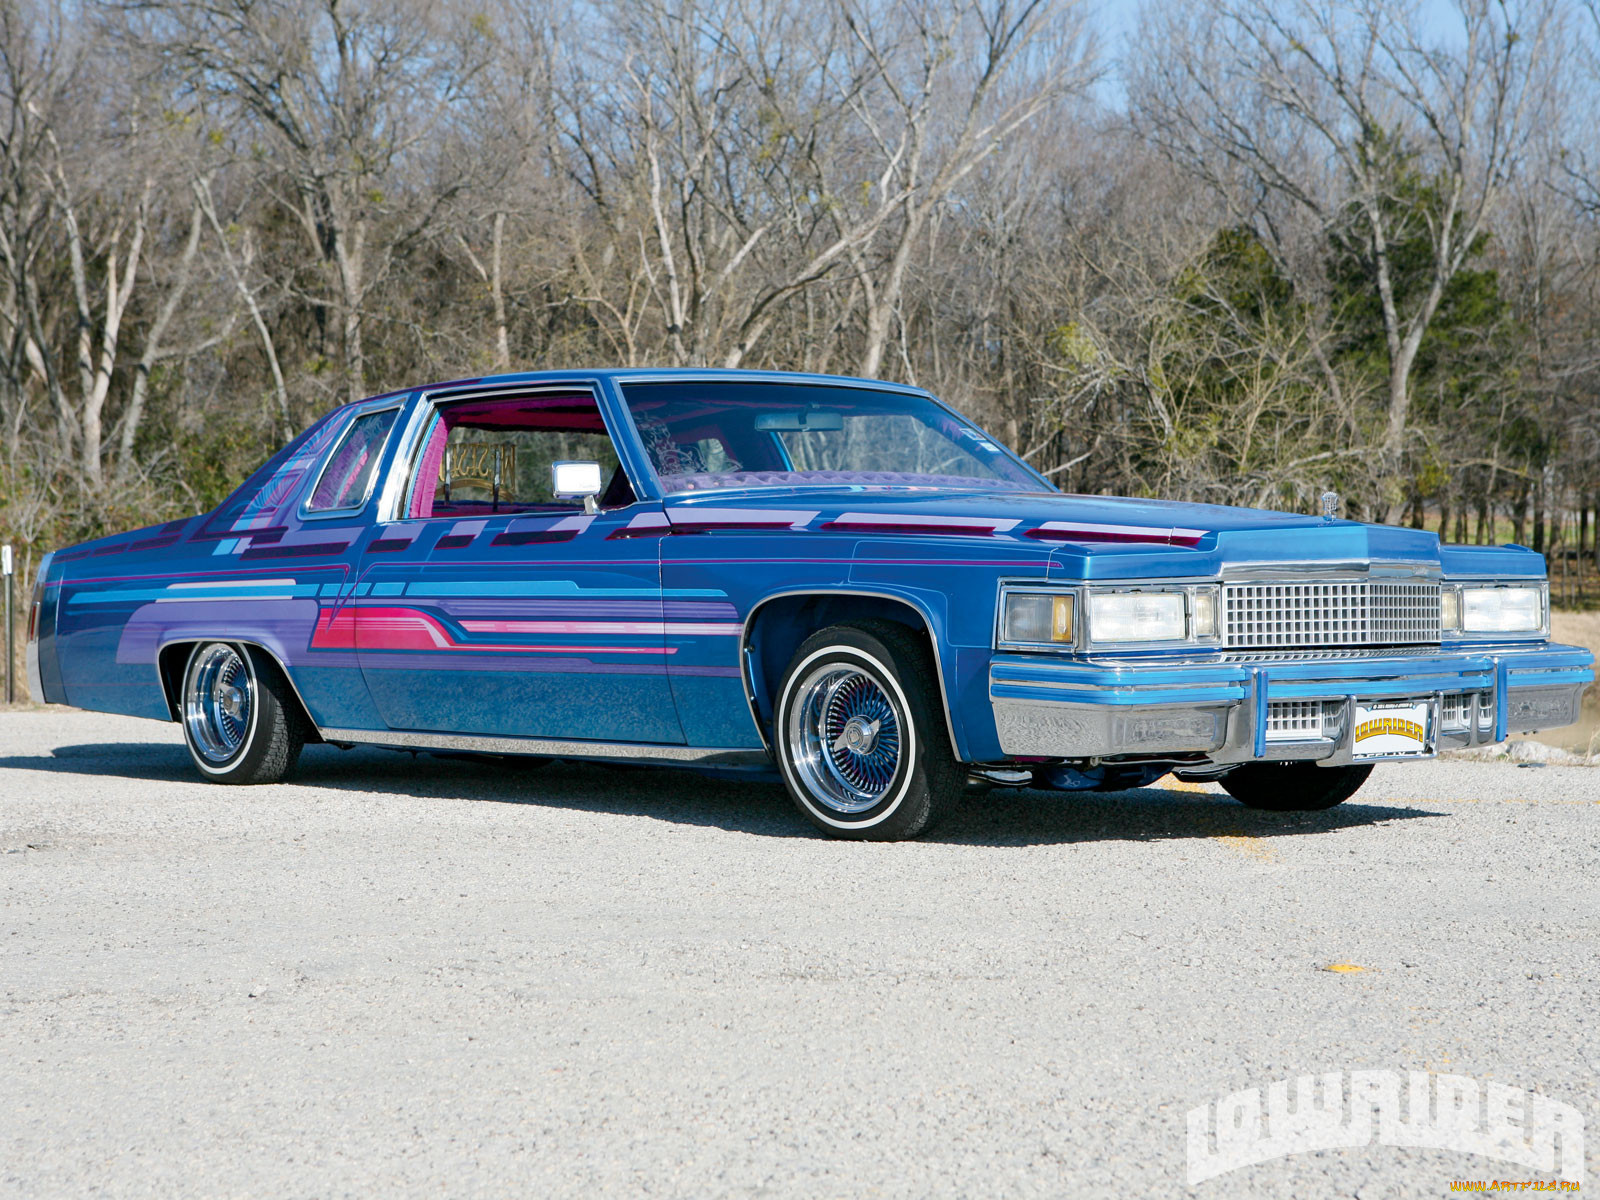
{"type": "Point", "coordinates": [953, 81]}
{"type": "Point", "coordinates": [353, 102]}
{"type": "Point", "coordinates": [1303, 108]}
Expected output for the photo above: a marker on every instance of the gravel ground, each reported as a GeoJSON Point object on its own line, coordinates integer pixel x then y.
{"type": "Point", "coordinates": [409, 976]}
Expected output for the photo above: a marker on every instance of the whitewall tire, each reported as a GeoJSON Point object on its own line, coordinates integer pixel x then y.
{"type": "Point", "coordinates": [860, 737]}
{"type": "Point", "coordinates": [241, 720]}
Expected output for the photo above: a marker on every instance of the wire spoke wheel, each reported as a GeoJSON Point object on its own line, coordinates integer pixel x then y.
{"type": "Point", "coordinates": [217, 703]}
{"type": "Point", "coordinates": [845, 738]}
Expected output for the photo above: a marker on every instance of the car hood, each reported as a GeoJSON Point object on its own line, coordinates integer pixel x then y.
{"type": "Point", "coordinates": [1083, 537]}
{"type": "Point", "coordinates": [987, 512]}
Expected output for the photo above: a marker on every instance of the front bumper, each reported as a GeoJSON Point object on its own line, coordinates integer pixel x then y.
{"type": "Point", "coordinates": [1224, 709]}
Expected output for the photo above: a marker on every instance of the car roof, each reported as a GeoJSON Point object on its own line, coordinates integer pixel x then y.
{"type": "Point", "coordinates": [665, 374]}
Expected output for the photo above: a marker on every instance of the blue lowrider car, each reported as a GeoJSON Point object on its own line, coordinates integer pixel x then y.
{"type": "Point", "coordinates": [838, 579]}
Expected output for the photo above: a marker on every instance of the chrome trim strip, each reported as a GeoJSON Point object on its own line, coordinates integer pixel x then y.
{"type": "Point", "coordinates": [550, 748]}
{"type": "Point", "coordinates": [1250, 572]}
{"type": "Point", "coordinates": [744, 651]}
{"type": "Point", "coordinates": [1138, 689]}
{"type": "Point", "coordinates": [715, 375]}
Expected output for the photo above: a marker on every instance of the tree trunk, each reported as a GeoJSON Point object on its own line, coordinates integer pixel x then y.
{"type": "Point", "coordinates": [497, 290]}
{"type": "Point", "coordinates": [1597, 531]}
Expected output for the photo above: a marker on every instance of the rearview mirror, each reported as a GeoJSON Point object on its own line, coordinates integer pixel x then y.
{"type": "Point", "coordinates": [809, 421]}
{"type": "Point", "coordinates": [576, 481]}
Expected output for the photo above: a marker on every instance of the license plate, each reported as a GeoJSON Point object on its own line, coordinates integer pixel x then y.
{"type": "Point", "coordinates": [1394, 730]}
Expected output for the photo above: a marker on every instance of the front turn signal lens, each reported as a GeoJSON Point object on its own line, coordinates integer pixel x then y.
{"type": "Point", "coordinates": [1450, 608]}
{"type": "Point", "coordinates": [1205, 622]}
{"type": "Point", "coordinates": [1039, 618]}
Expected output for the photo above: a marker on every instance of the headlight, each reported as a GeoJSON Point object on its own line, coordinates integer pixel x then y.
{"type": "Point", "coordinates": [1494, 608]}
{"type": "Point", "coordinates": [1140, 616]}
{"type": "Point", "coordinates": [1137, 617]}
{"type": "Point", "coordinates": [1153, 615]}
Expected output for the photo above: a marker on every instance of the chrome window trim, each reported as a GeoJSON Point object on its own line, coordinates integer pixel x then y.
{"type": "Point", "coordinates": [306, 512]}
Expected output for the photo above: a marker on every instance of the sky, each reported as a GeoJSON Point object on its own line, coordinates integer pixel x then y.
{"type": "Point", "coordinates": [1117, 21]}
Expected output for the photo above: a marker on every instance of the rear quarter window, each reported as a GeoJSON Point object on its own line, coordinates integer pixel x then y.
{"type": "Point", "coordinates": [346, 480]}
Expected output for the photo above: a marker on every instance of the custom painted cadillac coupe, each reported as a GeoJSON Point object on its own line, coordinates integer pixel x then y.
{"type": "Point", "coordinates": [837, 579]}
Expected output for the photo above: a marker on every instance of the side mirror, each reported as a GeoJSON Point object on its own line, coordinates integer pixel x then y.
{"type": "Point", "coordinates": [576, 481]}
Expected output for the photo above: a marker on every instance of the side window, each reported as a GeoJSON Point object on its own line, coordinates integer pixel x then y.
{"type": "Point", "coordinates": [494, 456]}
{"type": "Point", "coordinates": [347, 479]}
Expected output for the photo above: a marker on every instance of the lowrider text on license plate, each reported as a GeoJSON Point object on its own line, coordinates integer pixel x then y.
{"type": "Point", "coordinates": [1393, 730]}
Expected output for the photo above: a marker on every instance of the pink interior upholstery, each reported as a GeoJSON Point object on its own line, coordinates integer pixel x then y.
{"type": "Point", "coordinates": [428, 471]}
{"type": "Point", "coordinates": [697, 482]}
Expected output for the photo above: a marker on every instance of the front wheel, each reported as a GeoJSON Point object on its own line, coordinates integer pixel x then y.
{"type": "Point", "coordinates": [241, 721]}
{"type": "Point", "coordinates": [1293, 787]}
{"type": "Point", "coordinates": [860, 737]}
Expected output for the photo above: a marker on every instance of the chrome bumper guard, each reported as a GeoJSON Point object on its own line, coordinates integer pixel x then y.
{"type": "Point", "coordinates": [1226, 709]}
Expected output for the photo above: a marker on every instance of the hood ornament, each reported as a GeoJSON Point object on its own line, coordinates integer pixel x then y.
{"type": "Point", "coordinates": [1330, 505]}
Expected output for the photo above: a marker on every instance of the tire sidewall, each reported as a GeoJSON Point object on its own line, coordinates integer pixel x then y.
{"type": "Point", "coordinates": [863, 652]}
{"type": "Point", "coordinates": [239, 762]}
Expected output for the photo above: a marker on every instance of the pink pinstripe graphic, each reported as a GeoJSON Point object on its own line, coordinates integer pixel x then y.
{"type": "Point", "coordinates": [412, 629]}
{"type": "Point", "coordinates": [920, 523]}
{"type": "Point", "coordinates": [1068, 531]}
{"type": "Point", "coordinates": [620, 628]}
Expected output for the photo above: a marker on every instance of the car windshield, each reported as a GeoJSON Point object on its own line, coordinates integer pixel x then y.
{"type": "Point", "coordinates": [715, 434]}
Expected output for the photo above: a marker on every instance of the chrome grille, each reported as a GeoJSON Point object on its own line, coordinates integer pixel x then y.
{"type": "Point", "coordinates": [1331, 613]}
{"type": "Point", "coordinates": [1299, 720]}
{"type": "Point", "coordinates": [1455, 710]}
{"type": "Point", "coordinates": [1461, 710]}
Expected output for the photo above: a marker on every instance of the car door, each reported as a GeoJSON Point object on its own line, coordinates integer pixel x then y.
{"type": "Point", "coordinates": [492, 608]}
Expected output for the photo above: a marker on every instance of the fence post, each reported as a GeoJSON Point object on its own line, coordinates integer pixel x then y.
{"type": "Point", "coordinates": [6, 568]}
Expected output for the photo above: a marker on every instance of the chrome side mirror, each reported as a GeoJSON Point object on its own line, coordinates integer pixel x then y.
{"type": "Point", "coordinates": [576, 481]}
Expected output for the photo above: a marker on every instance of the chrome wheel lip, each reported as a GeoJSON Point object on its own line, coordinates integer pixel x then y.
{"type": "Point", "coordinates": [845, 738]}
{"type": "Point", "coordinates": [218, 704]}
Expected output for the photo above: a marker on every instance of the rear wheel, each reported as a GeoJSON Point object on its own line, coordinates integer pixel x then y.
{"type": "Point", "coordinates": [241, 720]}
{"type": "Point", "coordinates": [1293, 787]}
{"type": "Point", "coordinates": [860, 737]}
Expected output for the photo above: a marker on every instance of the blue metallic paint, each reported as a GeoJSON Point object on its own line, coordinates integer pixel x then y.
{"type": "Point", "coordinates": [490, 632]}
